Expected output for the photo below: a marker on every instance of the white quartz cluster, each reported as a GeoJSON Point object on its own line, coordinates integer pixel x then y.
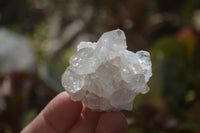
{"type": "Point", "coordinates": [105, 75]}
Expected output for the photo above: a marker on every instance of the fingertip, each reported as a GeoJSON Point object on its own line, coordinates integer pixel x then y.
{"type": "Point", "coordinates": [64, 99]}
{"type": "Point", "coordinates": [58, 116]}
{"type": "Point", "coordinates": [87, 122]}
{"type": "Point", "coordinates": [62, 112]}
{"type": "Point", "coordinates": [112, 122]}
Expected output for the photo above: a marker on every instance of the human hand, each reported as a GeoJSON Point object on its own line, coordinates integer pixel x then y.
{"type": "Point", "coordinates": [62, 115]}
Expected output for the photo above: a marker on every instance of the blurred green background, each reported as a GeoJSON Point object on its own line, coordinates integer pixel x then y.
{"type": "Point", "coordinates": [38, 37]}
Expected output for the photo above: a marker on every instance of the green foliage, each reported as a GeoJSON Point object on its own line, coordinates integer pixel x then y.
{"type": "Point", "coordinates": [174, 58]}
{"type": "Point", "coordinates": [39, 43]}
{"type": "Point", "coordinates": [28, 116]}
{"type": "Point", "coordinates": [189, 7]}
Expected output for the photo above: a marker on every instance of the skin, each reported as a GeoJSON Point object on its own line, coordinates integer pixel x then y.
{"type": "Point", "coordinates": [62, 115]}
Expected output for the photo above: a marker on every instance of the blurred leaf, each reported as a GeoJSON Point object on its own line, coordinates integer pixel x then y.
{"type": "Point", "coordinates": [39, 43]}
{"type": "Point", "coordinates": [171, 56]}
{"type": "Point", "coordinates": [28, 116]}
{"type": "Point", "coordinates": [188, 7]}
{"type": "Point", "coordinates": [53, 70]}
{"type": "Point", "coordinates": [189, 38]}
{"type": "Point", "coordinates": [175, 76]}
{"type": "Point", "coordinates": [166, 47]}
{"type": "Point", "coordinates": [190, 96]}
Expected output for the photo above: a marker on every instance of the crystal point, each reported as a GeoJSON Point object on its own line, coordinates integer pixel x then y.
{"type": "Point", "coordinates": [105, 75]}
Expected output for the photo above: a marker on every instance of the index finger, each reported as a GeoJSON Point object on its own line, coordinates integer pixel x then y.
{"type": "Point", "coordinates": [58, 116]}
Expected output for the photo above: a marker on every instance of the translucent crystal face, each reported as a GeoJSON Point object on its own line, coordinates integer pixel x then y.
{"type": "Point", "coordinates": [105, 75]}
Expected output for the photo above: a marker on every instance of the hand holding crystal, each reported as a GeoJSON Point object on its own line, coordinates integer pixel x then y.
{"type": "Point", "coordinates": [62, 115]}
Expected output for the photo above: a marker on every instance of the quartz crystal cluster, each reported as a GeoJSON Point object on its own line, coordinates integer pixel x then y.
{"type": "Point", "coordinates": [105, 75]}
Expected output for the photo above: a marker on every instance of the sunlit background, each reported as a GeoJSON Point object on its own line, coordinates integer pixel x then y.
{"type": "Point", "coordinates": [38, 37]}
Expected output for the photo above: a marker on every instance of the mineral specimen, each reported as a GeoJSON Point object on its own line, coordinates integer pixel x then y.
{"type": "Point", "coordinates": [105, 75]}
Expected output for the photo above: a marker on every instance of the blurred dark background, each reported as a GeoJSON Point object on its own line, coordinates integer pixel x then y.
{"type": "Point", "coordinates": [38, 37]}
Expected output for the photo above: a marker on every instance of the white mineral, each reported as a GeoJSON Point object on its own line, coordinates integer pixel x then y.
{"type": "Point", "coordinates": [105, 75]}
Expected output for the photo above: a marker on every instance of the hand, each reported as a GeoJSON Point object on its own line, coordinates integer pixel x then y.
{"type": "Point", "coordinates": [62, 115]}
